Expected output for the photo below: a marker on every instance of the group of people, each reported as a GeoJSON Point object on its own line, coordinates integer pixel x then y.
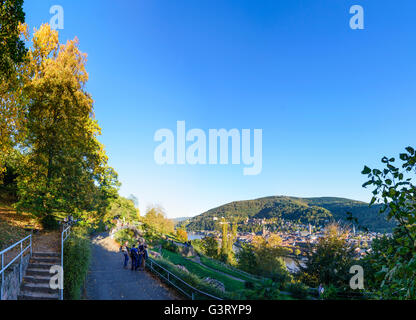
{"type": "Point", "coordinates": [138, 255]}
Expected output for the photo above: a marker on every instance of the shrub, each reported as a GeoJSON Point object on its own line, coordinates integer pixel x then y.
{"type": "Point", "coordinates": [249, 285]}
{"type": "Point", "coordinates": [50, 223]}
{"type": "Point", "coordinates": [77, 252]}
{"type": "Point", "coordinates": [298, 290]}
{"type": "Point", "coordinates": [330, 293]}
{"type": "Point", "coordinates": [267, 291]}
{"type": "Point", "coordinates": [283, 278]}
{"type": "Point", "coordinates": [170, 246]}
{"type": "Point", "coordinates": [125, 235]}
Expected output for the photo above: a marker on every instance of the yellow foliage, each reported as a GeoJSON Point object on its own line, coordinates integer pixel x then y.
{"type": "Point", "coordinates": [258, 242]}
{"type": "Point", "coordinates": [156, 219]}
{"type": "Point", "coordinates": [49, 106]}
{"type": "Point", "coordinates": [274, 241]}
{"type": "Point", "coordinates": [182, 235]}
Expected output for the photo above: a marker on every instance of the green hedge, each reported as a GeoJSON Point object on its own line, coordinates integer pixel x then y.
{"type": "Point", "coordinates": [77, 253]}
{"type": "Point", "coordinates": [298, 290]}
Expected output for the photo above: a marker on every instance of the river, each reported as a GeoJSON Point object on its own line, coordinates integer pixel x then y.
{"type": "Point", "coordinates": [195, 236]}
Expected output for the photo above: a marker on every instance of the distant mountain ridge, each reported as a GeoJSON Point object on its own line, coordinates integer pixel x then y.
{"type": "Point", "coordinates": [180, 219]}
{"type": "Point", "coordinates": [305, 210]}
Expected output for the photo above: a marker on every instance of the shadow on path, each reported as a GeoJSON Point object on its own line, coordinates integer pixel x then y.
{"type": "Point", "coordinates": [108, 280]}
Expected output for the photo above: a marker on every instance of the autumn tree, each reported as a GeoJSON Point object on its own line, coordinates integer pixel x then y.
{"type": "Point", "coordinates": [65, 167]}
{"type": "Point", "coordinates": [155, 221]}
{"type": "Point", "coordinates": [228, 235]}
{"type": "Point", "coordinates": [329, 261]}
{"type": "Point", "coordinates": [232, 236]}
{"type": "Point", "coordinates": [182, 235]}
{"type": "Point", "coordinates": [264, 257]}
{"type": "Point", "coordinates": [12, 58]}
{"type": "Point", "coordinates": [269, 256]}
{"type": "Point", "coordinates": [123, 209]}
{"type": "Point", "coordinates": [12, 48]}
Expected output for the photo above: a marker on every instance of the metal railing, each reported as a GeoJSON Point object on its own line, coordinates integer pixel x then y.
{"type": "Point", "coordinates": [185, 288]}
{"type": "Point", "coordinates": [20, 255]}
{"type": "Point", "coordinates": [66, 232]}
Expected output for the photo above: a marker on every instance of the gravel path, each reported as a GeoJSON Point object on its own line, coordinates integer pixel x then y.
{"type": "Point", "coordinates": [107, 280]}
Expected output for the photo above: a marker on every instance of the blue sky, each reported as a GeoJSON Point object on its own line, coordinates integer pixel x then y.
{"type": "Point", "coordinates": [329, 99]}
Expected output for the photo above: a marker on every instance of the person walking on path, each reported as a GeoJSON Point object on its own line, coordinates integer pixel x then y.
{"type": "Point", "coordinates": [125, 251]}
{"type": "Point", "coordinates": [145, 256]}
{"type": "Point", "coordinates": [134, 256]}
{"type": "Point", "coordinates": [141, 254]}
{"type": "Point", "coordinates": [321, 291]}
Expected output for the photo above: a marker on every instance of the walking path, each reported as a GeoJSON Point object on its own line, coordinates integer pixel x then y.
{"type": "Point", "coordinates": [107, 280]}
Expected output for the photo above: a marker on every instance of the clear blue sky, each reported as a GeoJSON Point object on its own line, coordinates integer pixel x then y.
{"type": "Point", "coordinates": [329, 99]}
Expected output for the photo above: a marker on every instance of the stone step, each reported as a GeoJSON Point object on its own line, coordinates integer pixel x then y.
{"type": "Point", "coordinates": [38, 288]}
{"type": "Point", "coordinates": [37, 279]}
{"type": "Point", "coordinates": [26, 295]}
{"type": "Point", "coordinates": [38, 272]}
{"type": "Point", "coordinates": [46, 254]}
{"type": "Point", "coordinates": [44, 266]}
{"type": "Point", "coordinates": [52, 260]}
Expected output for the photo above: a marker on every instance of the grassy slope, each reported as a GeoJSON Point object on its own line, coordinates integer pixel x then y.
{"type": "Point", "coordinates": [230, 284]}
{"type": "Point", "coordinates": [232, 272]}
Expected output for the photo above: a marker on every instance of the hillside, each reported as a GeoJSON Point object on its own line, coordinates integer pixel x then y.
{"type": "Point", "coordinates": [13, 225]}
{"type": "Point", "coordinates": [304, 210]}
{"type": "Point", "coordinates": [177, 221]}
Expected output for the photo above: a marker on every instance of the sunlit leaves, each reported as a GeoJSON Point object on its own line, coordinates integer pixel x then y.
{"type": "Point", "coordinates": [12, 48]}
{"type": "Point", "coordinates": [66, 166]}
{"type": "Point", "coordinates": [393, 258]}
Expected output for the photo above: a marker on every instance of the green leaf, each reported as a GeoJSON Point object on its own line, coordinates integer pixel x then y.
{"type": "Point", "coordinates": [378, 172]}
{"type": "Point", "coordinates": [366, 170]}
{"type": "Point", "coordinates": [367, 184]}
{"type": "Point", "coordinates": [410, 150]}
{"type": "Point", "coordinates": [404, 157]}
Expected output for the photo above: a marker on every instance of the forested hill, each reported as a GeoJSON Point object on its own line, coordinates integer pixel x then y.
{"type": "Point", "coordinates": [304, 210]}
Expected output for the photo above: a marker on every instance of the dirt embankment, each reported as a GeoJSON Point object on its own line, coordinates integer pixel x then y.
{"type": "Point", "coordinates": [16, 226]}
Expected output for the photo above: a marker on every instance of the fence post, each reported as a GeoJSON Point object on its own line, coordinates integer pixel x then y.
{"type": "Point", "coordinates": [61, 290]}
{"type": "Point", "coordinates": [21, 263]}
{"type": "Point", "coordinates": [2, 277]}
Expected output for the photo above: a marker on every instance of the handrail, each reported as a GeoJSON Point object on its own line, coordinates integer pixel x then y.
{"type": "Point", "coordinates": [66, 232]}
{"type": "Point", "coordinates": [20, 255]}
{"type": "Point", "coordinates": [168, 279]}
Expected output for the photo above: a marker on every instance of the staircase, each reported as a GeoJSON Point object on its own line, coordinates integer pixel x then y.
{"type": "Point", "coordinates": [35, 284]}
